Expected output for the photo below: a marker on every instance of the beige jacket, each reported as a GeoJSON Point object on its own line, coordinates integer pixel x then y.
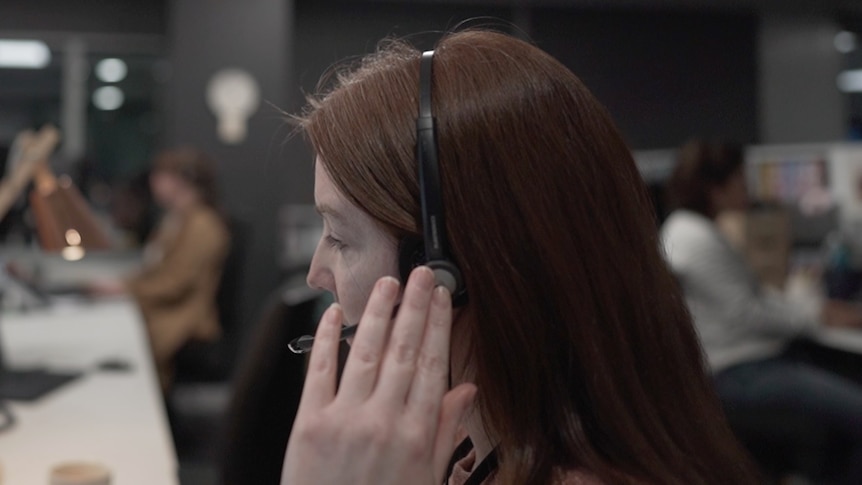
{"type": "Point", "coordinates": [176, 289]}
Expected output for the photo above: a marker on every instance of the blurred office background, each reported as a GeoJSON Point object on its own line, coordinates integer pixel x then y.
{"type": "Point", "coordinates": [127, 78]}
{"type": "Point", "coordinates": [755, 72]}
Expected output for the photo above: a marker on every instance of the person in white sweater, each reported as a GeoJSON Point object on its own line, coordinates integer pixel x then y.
{"type": "Point", "coordinates": [745, 328]}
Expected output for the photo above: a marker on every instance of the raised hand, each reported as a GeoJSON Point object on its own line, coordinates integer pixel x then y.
{"type": "Point", "coordinates": [393, 419]}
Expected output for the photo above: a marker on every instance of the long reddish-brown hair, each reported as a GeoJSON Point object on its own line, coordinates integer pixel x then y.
{"type": "Point", "coordinates": [583, 351]}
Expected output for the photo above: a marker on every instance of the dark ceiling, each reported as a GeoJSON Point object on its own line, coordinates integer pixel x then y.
{"type": "Point", "coordinates": [150, 16]}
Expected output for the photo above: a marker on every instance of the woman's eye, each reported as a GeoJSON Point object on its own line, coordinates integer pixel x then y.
{"type": "Point", "coordinates": [334, 243]}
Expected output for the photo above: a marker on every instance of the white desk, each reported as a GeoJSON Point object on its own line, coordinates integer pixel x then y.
{"type": "Point", "coordinates": [114, 418]}
{"type": "Point", "coordinates": [849, 340]}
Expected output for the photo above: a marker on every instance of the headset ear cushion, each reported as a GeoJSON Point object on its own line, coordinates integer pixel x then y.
{"type": "Point", "coordinates": [411, 253]}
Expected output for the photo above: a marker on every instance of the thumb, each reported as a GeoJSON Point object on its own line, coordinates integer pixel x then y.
{"type": "Point", "coordinates": [456, 404]}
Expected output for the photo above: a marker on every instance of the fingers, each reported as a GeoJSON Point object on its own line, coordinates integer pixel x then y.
{"type": "Point", "coordinates": [319, 388]}
{"type": "Point", "coordinates": [432, 368]}
{"type": "Point", "coordinates": [361, 369]}
{"type": "Point", "coordinates": [394, 384]}
{"type": "Point", "coordinates": [399, 364]}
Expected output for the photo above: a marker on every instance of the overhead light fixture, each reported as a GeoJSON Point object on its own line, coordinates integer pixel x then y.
{"type": "Point", "coordinates": [108, 98]}
{"type": "Point", "coordinates": [24, 54]}
{"type": "Point", "coordinates": [850, 81]}
{"type": "Point", "coordinates": [845, 42]}
{"type": "Point", "coordinates": [233, 95]}
{"type": "Point", "coordinates": [73, 250]}
{"type": "Point", "coordinates": [111, 70]}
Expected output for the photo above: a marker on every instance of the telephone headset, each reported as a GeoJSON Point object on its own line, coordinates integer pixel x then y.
{"type": "Point", "coordinates": [430, 250]}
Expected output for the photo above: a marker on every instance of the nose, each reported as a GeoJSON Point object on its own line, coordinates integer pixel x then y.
{"type": "Point", "coordinates": [319, 274]}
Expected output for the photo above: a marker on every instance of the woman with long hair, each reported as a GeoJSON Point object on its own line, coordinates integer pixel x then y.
{"type": "Point", "coordinates": [756, 339]}
{"type": "Point", "coordinates": [570, 358]}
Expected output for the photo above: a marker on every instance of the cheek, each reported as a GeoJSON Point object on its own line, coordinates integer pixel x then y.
{"type": "Point", "coordinates": [353, 295]}
{"type": "Point", "coordinates": [355, 282]}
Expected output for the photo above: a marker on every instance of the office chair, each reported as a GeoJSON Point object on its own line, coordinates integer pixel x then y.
{"type": "Point", "coordinates": [267, 389]}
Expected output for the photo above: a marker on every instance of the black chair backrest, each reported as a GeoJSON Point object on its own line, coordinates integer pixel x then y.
{"type": "Point", "coordinates": [215, 361]}
{"type": "Point", "coordinates": [267, 389]}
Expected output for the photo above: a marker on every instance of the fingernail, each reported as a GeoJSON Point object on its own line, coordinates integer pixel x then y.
{"type": "Point", "coordinates": [440, 296]}
{"type": "Point", "coordinates": [424, 277]}
{"type": "Point", "coordinates": [388, 287]}
{"type": "Point", "coordinates": [334, 312]}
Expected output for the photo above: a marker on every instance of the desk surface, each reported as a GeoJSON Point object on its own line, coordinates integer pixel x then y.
{"type": "Point", "coordinates": [114, 418]}
{"type": "Point", "coordinates": [847, 339]}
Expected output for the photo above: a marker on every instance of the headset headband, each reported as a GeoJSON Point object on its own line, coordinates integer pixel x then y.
{"type": "Point", "coordinates": [433, 222]}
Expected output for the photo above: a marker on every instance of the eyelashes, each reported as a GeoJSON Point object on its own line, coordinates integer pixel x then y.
{"type": "Point", "coordinates": [334, 243]}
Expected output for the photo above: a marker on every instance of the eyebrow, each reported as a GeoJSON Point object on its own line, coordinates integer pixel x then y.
{"type": "Point", "coordinates": [328, 210]}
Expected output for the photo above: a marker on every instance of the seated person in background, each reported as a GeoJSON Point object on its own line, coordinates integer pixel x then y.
{"type": "Point", "coordinates": [745, 330]}
{"type": "Point", "coordinates": [132, 211]}
{"type": "Point", "coordinates": [177, 285]}
{"type": "Point", "coordinates": [573, 358]}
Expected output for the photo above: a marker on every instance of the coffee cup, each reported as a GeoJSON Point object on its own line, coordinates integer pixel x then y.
{"type": "Point", "coordinates": [80, 473]}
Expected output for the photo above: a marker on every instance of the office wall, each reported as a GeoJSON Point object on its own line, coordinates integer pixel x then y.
{"type": "Point", "coordinates": [798, 68]}
{"type": "Point", "coordinates": [122, 16]}
{"type": "Point", "coordinates": [664, 76]}
{"type": "Point", "coordinates": [328, 32]}
{"type": "Point", "coordinates": [255, 35]}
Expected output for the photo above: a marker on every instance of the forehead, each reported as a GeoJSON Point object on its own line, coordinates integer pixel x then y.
{"type": "Point", "coordinates": [329, 201]}
{"type": "Point", "coordinates": [342, 214]}
{"type": "Point", "coordinates": [324, 189]}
